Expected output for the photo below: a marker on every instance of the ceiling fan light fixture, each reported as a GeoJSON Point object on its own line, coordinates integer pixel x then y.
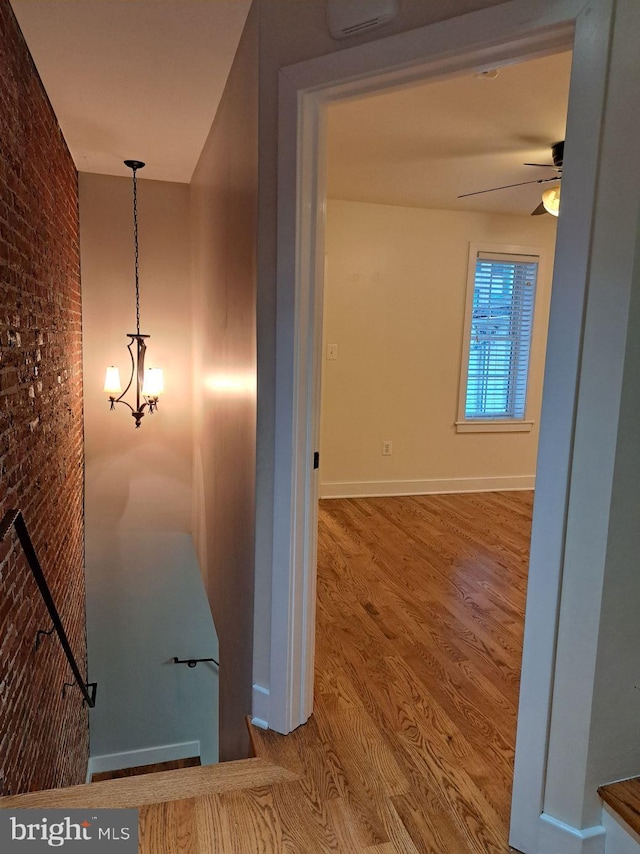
{"type": "Point", "coordinates": [551, 201]}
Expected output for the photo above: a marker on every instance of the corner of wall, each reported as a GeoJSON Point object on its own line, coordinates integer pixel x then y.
{"type": "Point", "coordinates": [260, 706]}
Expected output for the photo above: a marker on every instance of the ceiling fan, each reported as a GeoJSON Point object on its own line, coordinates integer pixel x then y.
{"type": "Point", "coordinates": [551, 197]}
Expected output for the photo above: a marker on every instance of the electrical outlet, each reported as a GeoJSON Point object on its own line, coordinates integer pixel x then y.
{"type": "Point", "coordinates": [387, 448]}
{"type": "Point", "coordinates": [332, 352]}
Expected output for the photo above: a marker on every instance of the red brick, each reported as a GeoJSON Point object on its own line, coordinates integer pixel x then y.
{"type": "Point", "coordinates": [43, 736]}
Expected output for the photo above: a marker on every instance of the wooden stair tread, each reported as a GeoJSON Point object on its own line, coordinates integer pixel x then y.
{"type": "Point", "coordinates": [156, 788]}
{"type": "Point", "coordinates": [624, 799]}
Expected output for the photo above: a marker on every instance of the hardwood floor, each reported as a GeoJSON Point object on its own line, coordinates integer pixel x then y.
{"type": "Point", "coordinates": [410, 749]}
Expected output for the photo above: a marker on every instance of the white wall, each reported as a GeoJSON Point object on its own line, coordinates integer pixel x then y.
{"type": "Point", "coordinates": [394, 304]}
{"type": "Point", "coordinates": [615, 748]}
{"type": "Point", "coordinates": [143, 585]}
{"type": "Point", "coordinates": [620, 838]}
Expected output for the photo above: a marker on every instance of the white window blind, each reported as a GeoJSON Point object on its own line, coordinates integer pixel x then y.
{"type": "Point", "coordinates": [500, 336]}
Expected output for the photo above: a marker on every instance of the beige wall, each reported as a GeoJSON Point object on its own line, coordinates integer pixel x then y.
{"type": "Point", "coordinates": [394, 304]}
{"type": "Point", "coordinates": [224, 228]}
{"type": "Point", "coordinates": [140, 561]}
{"type": "Point", "coordinates": [138, 479]}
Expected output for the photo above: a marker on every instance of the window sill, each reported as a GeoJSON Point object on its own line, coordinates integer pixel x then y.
{"type": "Point", "coordinates": [494, 426]}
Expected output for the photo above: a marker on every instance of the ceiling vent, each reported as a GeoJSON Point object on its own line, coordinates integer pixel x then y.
{"type": "Point", "coordinates": [351, 17]}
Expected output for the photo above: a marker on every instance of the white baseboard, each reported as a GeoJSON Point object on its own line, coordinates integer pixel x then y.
{"type": "Point", "coordinates": [260, 706]}
{"type": "Point", "coordinates": [388, 488]}
{"type": "Point", "coordinates": [621, 839]}
{"type": "Point", "coordinates": [556, 837]}
{"type": "Point", "coordinates": [146, 756]}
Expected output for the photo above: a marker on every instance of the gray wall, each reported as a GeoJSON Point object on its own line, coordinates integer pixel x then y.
{"type": "Point", "coordinates": [145, 605]}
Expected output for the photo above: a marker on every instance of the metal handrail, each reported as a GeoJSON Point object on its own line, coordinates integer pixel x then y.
{"type": "Point", "coordinates": [191, 662]}
{"type": "Point", "coordinates": [15, 519]}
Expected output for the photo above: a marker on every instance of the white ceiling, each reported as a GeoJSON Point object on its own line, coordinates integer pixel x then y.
{"type": "Point", "coordinates": [142, 79]}
{"type": "Point", "coordinates": [423, 146]}
{"type": "Point", "coordinates": [137, 79]}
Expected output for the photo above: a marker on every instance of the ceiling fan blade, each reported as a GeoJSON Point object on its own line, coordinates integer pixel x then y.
{"type": "Point", "coordinates": [539, 210]}
{"type": "Point", "coordinates": [507, 186]}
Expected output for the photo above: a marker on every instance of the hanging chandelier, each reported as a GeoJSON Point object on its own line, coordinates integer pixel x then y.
{"type": "Point", "coordinates": [149, 383]}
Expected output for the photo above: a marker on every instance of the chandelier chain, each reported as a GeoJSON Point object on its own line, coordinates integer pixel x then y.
{"type": "Point", "coordinates": [147, 383]}
{"type": "Point", "coordinates": [135, 240]}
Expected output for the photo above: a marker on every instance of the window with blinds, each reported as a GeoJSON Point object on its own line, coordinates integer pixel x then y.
{"type": "Point", "coordinates": [499, 336]}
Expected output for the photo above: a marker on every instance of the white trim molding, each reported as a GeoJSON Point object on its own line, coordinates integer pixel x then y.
{"type": "Point", "coordinates": [433, 486]}
{"type": "Point", "coordinates": [494, 426]}
{"type": "Point", "coordinates": [260, 706]}
{"type": "Point", "coordinates": [517, 30]}
{"type": "Point", "coordinates": [556, 837]}
{"type": "Point", "coordinates": [144, 756]}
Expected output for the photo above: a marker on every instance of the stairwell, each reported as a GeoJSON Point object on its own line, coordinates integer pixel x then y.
{"type": "Point", "coordinates": [621, 816]}
{"type": "Point", "coordinates": [151, 790]}
{"type": "Point", "coordinates": [198, 809]}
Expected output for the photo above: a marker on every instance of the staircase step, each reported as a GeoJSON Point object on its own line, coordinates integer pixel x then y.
{"type": "Point", "coordinates": [137, 770]}
{"type": "Point", "coordinates": [156, 788]}
{"type": "Point", "coordinates": [624, 800]}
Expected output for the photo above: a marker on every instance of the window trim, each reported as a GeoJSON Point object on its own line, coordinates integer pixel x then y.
{"type": "Point", "coordinates": [492, 425]}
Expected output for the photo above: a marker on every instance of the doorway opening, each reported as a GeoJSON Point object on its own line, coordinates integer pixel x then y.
{"type": "Point", "coordinates": [507, 33]}
{"type": "Point", "coordinates": [402, 333]}
{"type": "Point", "coordinates": [428, 439]}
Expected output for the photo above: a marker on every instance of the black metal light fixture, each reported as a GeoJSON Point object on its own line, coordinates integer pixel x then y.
{"type": "Point", "coordinates": [149, 383]}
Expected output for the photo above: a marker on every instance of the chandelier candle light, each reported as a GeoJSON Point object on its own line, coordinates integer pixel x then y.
{"type": "Point", "coordinates": [149, 383]}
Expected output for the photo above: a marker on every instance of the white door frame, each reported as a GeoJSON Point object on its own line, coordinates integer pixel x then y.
{"type": "Point", "coordinates": [508, 32]}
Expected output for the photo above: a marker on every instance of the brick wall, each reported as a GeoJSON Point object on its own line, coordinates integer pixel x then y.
{"type": "Point", "coordinates": [43, 734]}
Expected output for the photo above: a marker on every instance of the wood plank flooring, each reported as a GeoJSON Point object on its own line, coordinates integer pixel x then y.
{"type": "Point", "coordinates": [410, 749]}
